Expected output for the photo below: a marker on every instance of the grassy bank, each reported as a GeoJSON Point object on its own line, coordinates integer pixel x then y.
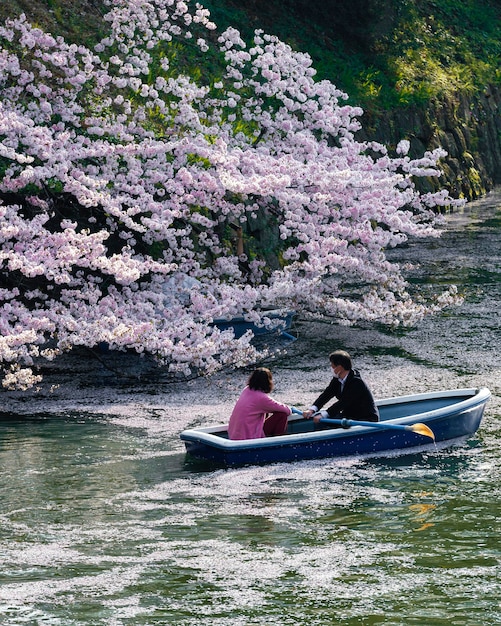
{"type": "Point", "coordinates": [384, 53]}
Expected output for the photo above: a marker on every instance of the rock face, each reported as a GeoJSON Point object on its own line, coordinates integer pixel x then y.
{"type": "Point", "coordinates": [469, 129]}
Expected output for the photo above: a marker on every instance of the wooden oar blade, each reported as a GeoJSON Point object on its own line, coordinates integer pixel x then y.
{"type": "Point", "coordinates": [422, 429]}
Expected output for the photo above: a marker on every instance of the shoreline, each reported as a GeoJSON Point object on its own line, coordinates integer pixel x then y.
{"type": "Point", "coordinates": [300, 372]}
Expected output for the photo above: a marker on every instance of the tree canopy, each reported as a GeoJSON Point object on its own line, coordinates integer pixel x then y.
{"type": "Point", "coordinates": [129, 172]}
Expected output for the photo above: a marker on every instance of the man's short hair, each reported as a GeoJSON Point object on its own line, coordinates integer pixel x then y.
{"type": "Point", "coordinates": [340, 357]}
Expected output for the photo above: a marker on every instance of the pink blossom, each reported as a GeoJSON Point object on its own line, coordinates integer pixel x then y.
{"type": "Point", "coordinates": [124, 230]}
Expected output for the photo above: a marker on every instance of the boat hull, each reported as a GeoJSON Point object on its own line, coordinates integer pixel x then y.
{"type": "Point", "coordinates": [451, 415]}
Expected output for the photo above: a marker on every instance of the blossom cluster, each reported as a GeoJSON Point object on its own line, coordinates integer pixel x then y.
{"type": "Point", "coordinates": [121, 177]}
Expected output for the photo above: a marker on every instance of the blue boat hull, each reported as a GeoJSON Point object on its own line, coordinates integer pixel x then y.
{"type": "Point", "coordinates": [451, 415]}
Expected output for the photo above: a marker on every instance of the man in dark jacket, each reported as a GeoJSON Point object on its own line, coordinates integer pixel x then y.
{"type": "Point", "coordinates": [354, 398]}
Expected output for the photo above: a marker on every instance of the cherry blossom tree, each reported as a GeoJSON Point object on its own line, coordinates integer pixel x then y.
{"type": "Point", "coordinates": [126, 174]}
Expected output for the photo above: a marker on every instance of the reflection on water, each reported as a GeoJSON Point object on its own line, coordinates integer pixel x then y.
{"type": "Point", "coordinates": [105, 521]}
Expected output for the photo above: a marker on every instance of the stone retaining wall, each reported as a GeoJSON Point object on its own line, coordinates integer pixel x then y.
{"type": "Point", "coordinates": [469, 129]}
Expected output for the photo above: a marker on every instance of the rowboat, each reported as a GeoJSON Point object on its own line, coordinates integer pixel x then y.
{"type": "Point", "coordinates": [405, 424]}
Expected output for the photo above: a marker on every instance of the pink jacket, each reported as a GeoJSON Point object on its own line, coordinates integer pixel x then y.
{"type": "Point", "coordinates": [247, 418]}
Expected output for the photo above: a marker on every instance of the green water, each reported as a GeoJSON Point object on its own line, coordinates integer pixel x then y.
{"type": "Point", "coordinates": [104, 521]}
{"type": "Point", "coordinates": [101, 527]}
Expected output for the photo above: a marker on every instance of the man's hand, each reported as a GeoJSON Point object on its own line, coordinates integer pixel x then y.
{"type": "Point", "coordinates": [317, 416]}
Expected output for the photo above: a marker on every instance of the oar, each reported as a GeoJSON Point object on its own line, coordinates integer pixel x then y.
{"type": "Point", "coordinates": [420, 429]}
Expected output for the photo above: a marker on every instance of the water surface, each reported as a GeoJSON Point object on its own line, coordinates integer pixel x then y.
{"type": "Point", "coordinates": [105, 521]}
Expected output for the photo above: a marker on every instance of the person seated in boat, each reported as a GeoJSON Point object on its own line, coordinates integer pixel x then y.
{"type": "Point", "coordinates": [354, 398]}
{"type": "Point", "coordinates": [256, 414]}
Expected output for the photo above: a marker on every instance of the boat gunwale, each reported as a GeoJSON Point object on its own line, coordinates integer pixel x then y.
{"type": "Point", "coordinates": [473, 397]}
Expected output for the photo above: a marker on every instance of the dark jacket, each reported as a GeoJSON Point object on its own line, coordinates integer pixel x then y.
{"type": "Point", "coordinates": [355, 402]}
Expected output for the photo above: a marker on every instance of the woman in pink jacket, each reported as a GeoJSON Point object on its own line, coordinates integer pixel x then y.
{"type": "Point", "coordinates": [255, 414]}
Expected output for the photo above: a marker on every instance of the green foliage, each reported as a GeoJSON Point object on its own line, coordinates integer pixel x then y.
{"type": "Point", "coordinates": [383, 53]}
{"type": "Point", "coordinates": [442, 48]}
{"type": "Point", "coordinates": [78, 21]}
{"type": "Point", "coordinates": [4, 165]}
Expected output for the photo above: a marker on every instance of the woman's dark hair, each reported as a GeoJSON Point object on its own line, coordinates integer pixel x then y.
{"type": "Point", "coordinates": [261, 380]}
{"type": "Point", "coordinates": [340, 357]}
